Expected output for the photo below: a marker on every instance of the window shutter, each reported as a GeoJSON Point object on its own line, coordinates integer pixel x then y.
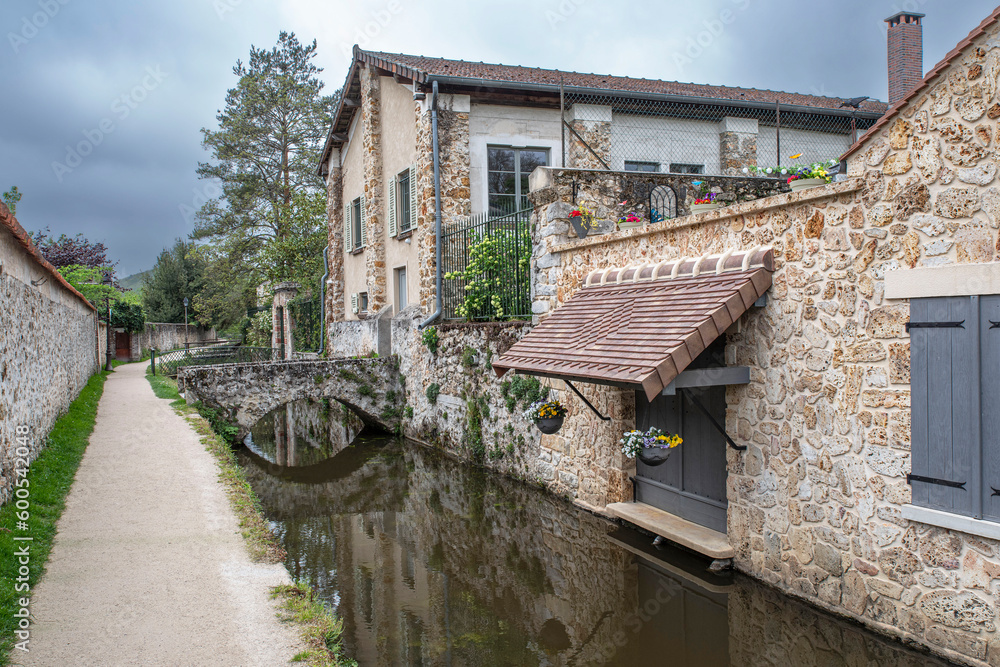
{"type": "Point", "coordinates": [392, 206]}
{"type": "Point", "coordinates": [364, 223]}
{"type": "Point", "coordinates": [348, 228]}
{"type": "Point", "coordinates": [945, 404]}
{"type": "Point", "coordinates": [413, 196]}
{"type": "Point", "coordinates": [354, 303]}
{"type": "Point", "coordinates": [989, 340]}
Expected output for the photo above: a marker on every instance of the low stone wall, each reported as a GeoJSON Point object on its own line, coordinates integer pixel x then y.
{"type": "Point", "coordinates": [164, 336]}
{"type": "Point", "coordinates": [48, 348]}
{"type": "Point", "coordinates": [358, 338]}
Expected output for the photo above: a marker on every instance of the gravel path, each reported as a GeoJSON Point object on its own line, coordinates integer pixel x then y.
{"type": "Point", "coordinates": [148, 566]}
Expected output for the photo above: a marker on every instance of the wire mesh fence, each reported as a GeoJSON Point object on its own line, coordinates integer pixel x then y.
{"type": "Point", "coordinates": [632, 134]}
{"type": "Point", "coordinates": [168, 363]}
{"type": "Point", "coordinates": [486, 261]}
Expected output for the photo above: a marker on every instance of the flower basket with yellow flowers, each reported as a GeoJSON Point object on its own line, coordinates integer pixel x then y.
{"type": "Point", "coordinates": [652, 447]}
{"type": "Point", "coordinates": [547, 415]}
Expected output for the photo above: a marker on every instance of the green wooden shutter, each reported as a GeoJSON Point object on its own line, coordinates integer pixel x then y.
{"type": "Point", "coordinates": [945, 404]}
{"type": "Point", "coordinates": [392, 207]}
{"type": "Point", "coordinates": [413, 196]}
{"type": "Point", "coordinates": [364, 223]}
{"type": "Point", "coordinates": [348, 228]}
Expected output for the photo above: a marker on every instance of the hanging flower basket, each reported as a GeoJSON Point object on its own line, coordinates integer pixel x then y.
{"type": "Point", "coordinates": [653, 447]}
{"type": "Point", "coordinates": [582, 220]}
{"type": "Point", "coordinates": [547, 415]}
{"type": "Point", "coordinates": [654, 456]}
{"type": "Point", "coordinates": [549, 425]}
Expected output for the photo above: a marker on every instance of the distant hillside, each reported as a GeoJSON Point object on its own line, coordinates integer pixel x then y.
{"type": "Point", "coordinates": [134, 281]}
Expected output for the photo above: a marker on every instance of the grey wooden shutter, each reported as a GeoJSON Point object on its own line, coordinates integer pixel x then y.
{"type": "Point", "coordinates": [413, 196]}
{"type": "Point", "coordinates": [989, 377]}
{"type": "Point", "coordinates": [392, 207]}
{"type": "Point", "coordinates": [348, 228]}
{"type": "Point", "coordinates": [364, 223]}
{"type": "Point", "coordinates": [945, 412]}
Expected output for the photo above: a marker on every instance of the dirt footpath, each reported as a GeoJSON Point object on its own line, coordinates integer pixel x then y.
{"type": "Point", "coordinates": [148, 566]}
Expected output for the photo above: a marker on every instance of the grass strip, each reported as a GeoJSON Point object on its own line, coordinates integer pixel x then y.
{"type": "Point", "coordinates": [318, 627]}
{"type": "Point", "coordinates": [49, 479]}
{"type": "Point", "coordinates": [321, 630]}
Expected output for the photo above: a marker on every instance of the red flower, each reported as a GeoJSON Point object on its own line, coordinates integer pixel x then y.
{"type": "Point", "coordinates": [575, 214]}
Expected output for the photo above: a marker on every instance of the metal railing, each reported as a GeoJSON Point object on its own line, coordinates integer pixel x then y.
{"type": "Point", "coordinates": [629, 133]}
{"type": "Point", "coordinates": [167, 363]}
{"type": "Point", "coordinates": [307, 329]}
{"type": "Point", "coordinates": [486, 261]}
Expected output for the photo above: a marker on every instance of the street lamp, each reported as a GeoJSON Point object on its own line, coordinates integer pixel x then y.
{"type": "Point", "coordinates": [108, 282]}
{"type": "Point", "coordinates": [187, 343]}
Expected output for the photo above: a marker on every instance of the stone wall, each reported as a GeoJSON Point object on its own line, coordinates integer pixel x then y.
{"type": "Point", "coordinates": [48, 348]}
{"type": "Point", "coordinates": [163, 336]}
{"type": "Point", "coordinates": [815, 501]}
{"type": "Point", "coordinates": [371, 128]}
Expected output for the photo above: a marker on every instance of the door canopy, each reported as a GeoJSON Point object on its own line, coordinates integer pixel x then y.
{"type": "Point", "coordinates": [640, 326]}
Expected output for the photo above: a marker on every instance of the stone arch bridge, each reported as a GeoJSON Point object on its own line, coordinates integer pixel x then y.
{"type": "Point", "coordinates": [372, 388]}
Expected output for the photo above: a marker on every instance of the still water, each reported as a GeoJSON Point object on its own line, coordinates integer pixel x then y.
{"type": "Point", "coordinates": [432, 562]}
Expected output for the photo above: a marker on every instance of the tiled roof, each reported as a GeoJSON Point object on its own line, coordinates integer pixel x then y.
{"type": "Point", "coordinates": [10, 223]}
{"type": "Point", "coordinates": [925, 82]}
{"type": "Point", "coordinates": [421, 67]}
{"type": "Point", "coordinates": [642, 326]}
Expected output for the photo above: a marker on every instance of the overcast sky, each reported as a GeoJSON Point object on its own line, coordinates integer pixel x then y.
{"type": "Point", "coordinates": [131, 83]}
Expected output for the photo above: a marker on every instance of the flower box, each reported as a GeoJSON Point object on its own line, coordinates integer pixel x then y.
{"type": "Point", "coordinates": [701, 208]}
{"type": "Point", "coordinates": [806, 183]}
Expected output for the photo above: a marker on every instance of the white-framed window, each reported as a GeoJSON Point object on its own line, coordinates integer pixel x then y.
{"type": "Point", "coordinates": [359, 302]}
{"type": "Point", "coordinates": [632, 165]}
{"type": "Point", "coordinates": [355, 232]}
{"type": "Point", "coordinates": [507, 171]}
{"type": "Point", "coordinates": [402, 201]}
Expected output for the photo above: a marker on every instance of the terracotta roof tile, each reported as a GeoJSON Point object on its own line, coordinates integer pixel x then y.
{"type": "Point", "coordinates": [638, 333]}
{"type": "Point", "coordinates": [421, 67]}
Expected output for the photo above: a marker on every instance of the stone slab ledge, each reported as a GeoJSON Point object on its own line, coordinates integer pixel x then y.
{"type": "Point", "coordinates": [742, 208]}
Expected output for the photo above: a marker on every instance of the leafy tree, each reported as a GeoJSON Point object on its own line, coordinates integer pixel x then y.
{"type": "Point", "coordinates": [10, 198]}
{"type": "Point", "coordinates": [178, 273]}
{"type": "Point", "coordinates": [126, 311]}
{"type": "Point", "coordinates": [73, 251]}
{"type": "Point", "coordinates": [265, 223]}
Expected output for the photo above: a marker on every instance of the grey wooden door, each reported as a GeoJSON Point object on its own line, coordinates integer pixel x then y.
{"type": "Point", "coordinates": [692, 483]}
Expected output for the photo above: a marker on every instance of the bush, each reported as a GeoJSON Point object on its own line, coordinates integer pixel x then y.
{"type": "Point", "coordinates": [432, 392]}
{"type": "Point", "coordinates": [498, 276]}
{"type": "Point", "coordinates": [430, 339]}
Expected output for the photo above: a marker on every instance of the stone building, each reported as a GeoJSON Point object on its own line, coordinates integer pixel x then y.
{"type": "Point", "coordinates": [497, 123]}
{"type": "Point", "coordinates": [842, 339]}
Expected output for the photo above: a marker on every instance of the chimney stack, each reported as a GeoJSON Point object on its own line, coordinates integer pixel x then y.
{"type": "Point", "coordinates": [906, 54]}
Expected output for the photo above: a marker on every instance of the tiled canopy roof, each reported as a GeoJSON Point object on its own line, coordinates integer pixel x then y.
{"type": "Point", "coordinates": [642, 326]}
{"type": "Point", "coordinates": [421, 67]}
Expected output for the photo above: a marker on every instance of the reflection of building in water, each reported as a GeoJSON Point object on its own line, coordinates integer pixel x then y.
{"type": "Point", "coordinates": [303, 432]}
{"type": "Point", "coordinates": [430, 562]}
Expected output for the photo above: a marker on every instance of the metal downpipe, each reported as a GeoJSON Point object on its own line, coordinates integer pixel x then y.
{"type": "Point", "coordinates": [322, 299]}
{"type": "Point", "coordinates": [437, 209]}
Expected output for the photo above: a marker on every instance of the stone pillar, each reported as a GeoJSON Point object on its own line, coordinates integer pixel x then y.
{"type": "Point", "coordinates": [371, 125]}
{"type": "Point", "coordinates": [592, 122]}
{"type": "Point", "coordinates": [456, 197]}
{"type": "Point", "coordinates": [335, 305]}
{"type": "Point", "coordinates": [283, 293]}
{"type": "Point", "coordinates": [737, 145]}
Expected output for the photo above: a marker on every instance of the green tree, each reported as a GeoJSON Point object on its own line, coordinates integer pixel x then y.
{"type": "Point", "coordinates": [10, 198]}
{"type": "Point", "coordinates": [93, 283]}
{"type": "Point", "coordinates": [178, 273]}
{"type": "Point", "coordinates": [265, 223]}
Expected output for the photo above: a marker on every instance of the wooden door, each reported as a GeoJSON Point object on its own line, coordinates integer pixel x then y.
{"type": "Point", "coordinates": [692, 483]}
{"type": "Point", "coordinates": [123, 346]}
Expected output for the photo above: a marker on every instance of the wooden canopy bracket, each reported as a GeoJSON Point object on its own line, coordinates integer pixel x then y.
{"type": "Point", "coordinates": [586, 402]}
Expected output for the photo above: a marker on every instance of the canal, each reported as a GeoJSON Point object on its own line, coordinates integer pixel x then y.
{"type": "Point", "coordinates": [429, 561]}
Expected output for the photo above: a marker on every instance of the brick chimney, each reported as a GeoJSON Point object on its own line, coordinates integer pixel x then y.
{"type": "Point", "coordinates": [906, 54]}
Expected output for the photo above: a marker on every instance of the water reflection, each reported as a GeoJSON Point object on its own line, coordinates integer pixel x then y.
{"type": "Point", "coordinates": [303, 433]}
{"type": "Point", "coordinates": [431, 562]}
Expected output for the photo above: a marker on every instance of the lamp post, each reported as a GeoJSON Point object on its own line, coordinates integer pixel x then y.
{"type": "Point", "coordinates": [187, 343]}
{"type": "Point", "coordinates": [108, 282]}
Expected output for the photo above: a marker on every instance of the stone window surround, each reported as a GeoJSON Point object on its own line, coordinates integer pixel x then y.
{"type": "Point", "coordinates": [940, 281]}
